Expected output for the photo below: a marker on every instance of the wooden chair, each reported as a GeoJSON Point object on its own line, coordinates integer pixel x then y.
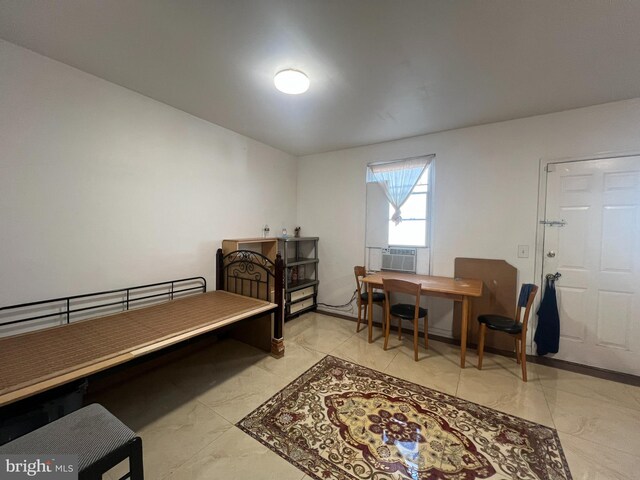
{"type": "Point", "coordinates": [363, 297]}
{"type": "Point", "coordinates": [513, 326]}
{"type": "Point", "coordinates": [404, 311]}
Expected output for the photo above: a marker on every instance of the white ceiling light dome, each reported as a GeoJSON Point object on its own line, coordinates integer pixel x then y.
{"type": "Point", "coordinates": [293, 82]}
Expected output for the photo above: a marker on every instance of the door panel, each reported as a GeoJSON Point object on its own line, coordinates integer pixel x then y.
{"type": "Point", "coordinates": [617, 238]}
{"type": "Point", "coordinates": [572, 312]}
{"type": "Point", "coordinates": [614, 309]}
{"type": "Point", "coordinates": [597, 253]}
{"type": "Point", "coordinates": [573, 243]}
{"type": "Point", "coordinates": [627, 181]}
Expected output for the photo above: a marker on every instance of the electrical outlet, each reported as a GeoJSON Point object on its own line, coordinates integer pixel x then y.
{"type": "Point", "coordinates": [523, 251]}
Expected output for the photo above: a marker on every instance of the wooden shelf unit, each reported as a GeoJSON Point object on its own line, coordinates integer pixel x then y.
{"type": "Point", "coordinates": [266, 246]}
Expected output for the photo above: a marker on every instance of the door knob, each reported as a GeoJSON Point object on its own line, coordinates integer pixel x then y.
{"type": "Point", "coordinates": [551, 254]}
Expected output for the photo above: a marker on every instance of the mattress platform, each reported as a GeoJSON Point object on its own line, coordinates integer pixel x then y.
{"type": "Point", "coordinates": [31, 363]}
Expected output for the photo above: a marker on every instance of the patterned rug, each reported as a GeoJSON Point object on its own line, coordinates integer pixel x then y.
{"type": "Point", "coordinates": [343, 421]}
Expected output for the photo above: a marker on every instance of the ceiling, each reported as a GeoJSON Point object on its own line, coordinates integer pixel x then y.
{"type": "Point", "coordinates": [379, 69]}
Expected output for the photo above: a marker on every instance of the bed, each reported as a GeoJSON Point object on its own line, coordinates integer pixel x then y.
{"type": "Point", "coordinates": [249, 294]}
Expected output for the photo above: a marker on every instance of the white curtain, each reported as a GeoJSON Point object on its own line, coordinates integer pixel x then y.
{"type": "Point", "coordinates": [398, 179]}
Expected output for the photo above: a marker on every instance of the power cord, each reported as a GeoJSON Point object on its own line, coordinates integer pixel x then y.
{"type": "Point", "coordinates": [348, 304]}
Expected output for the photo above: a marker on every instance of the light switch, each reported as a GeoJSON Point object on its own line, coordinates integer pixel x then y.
{"type": "Point", "coordinates": [523, 251]}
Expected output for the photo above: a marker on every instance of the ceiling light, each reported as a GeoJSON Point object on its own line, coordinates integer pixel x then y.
{"type": "Point", "coordinates": [291, 81]}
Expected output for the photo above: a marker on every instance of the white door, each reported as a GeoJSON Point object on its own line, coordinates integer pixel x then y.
{"type": "Point", "coordinates": [597, 252]}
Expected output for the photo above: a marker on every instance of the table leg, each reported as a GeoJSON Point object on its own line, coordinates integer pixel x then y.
{"type": "Point", "coordinates": [463, 331]}
{"type": "Point", "coordinates": [370, 311]}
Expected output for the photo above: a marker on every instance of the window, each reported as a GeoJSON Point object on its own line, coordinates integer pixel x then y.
{"type": "Point", "coordinates": [399, 203]}
{"type": "Point", "coordinates": [413, 230]}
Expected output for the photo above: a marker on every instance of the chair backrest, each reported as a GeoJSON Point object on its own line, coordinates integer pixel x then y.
{"type": "Point", "coordinates": [390, 285]}
{"type": "Point", "coordinates": [360, 273]}
{"type": "Point", "coordinates": [525, 300]}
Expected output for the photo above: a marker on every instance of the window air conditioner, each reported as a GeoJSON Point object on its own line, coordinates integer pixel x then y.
{"type": "Point", "coordinates": [399, 259]}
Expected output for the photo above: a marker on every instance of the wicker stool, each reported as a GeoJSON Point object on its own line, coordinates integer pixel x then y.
{"type": "Point", "coordinates": [100, 440]}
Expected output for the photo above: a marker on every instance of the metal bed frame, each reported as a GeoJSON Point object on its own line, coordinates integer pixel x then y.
{"type": "Point", "coordinates": [252, 274]}
{"type": "Point", "coordinates": [104, 299]}
{"type": "Point", "coordinates": [243, 272]}
{"type": "Point", "coordinates": [41, 408]}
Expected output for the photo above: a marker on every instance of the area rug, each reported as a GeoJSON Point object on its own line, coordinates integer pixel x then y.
{"type": "Point", "coordinates": [343, 421]}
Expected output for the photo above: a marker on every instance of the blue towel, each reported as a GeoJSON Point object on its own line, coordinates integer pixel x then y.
{"type": "Point", "coordinates": [525, 291]}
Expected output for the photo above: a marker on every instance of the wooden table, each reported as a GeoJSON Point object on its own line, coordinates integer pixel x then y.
{"type": "Point", "coordinates": [458, 290]}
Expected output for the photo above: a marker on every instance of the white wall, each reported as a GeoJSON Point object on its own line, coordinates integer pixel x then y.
{"type": "Point", "coordinates": [101, 187]}
{"type": "Point", "coordinates": [485, 191]}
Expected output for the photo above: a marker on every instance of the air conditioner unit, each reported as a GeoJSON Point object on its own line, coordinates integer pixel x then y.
{"type": "Point", "coordinates": [399, 259]}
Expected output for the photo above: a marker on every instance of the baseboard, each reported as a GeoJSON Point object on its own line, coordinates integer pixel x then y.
{"type": "Point", "coordinates": [625, 378]}
{"type": "Point", "coordinates": [337, 315]}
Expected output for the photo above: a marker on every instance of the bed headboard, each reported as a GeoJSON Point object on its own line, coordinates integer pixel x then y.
{"type": "Point", "coordinates": [252, 274]}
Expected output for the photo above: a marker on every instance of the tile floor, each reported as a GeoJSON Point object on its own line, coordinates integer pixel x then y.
{"type": "Point", "coordinates": [185, 411]}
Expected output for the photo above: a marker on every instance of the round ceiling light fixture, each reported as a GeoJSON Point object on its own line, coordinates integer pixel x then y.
{"type": "Point", "coordinates": [291, 81]}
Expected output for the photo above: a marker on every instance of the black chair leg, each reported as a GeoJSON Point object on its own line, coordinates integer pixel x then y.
{"type": "Point", "coordinates": [483, 330]}
{"type": "Point", "coordinates": [136, 469]}
{"type": "Point", "coordinates": [426, 329]}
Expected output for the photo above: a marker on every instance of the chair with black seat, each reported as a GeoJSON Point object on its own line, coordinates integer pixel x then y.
{"type": "Point", "coordinates": [363, 297]}
{"type": "Point", "coordinates": [513, 326]}
{"type": "Point", "coordinates": [93, 434]}
{"type": "Point", "coordinates": [404, 311]}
